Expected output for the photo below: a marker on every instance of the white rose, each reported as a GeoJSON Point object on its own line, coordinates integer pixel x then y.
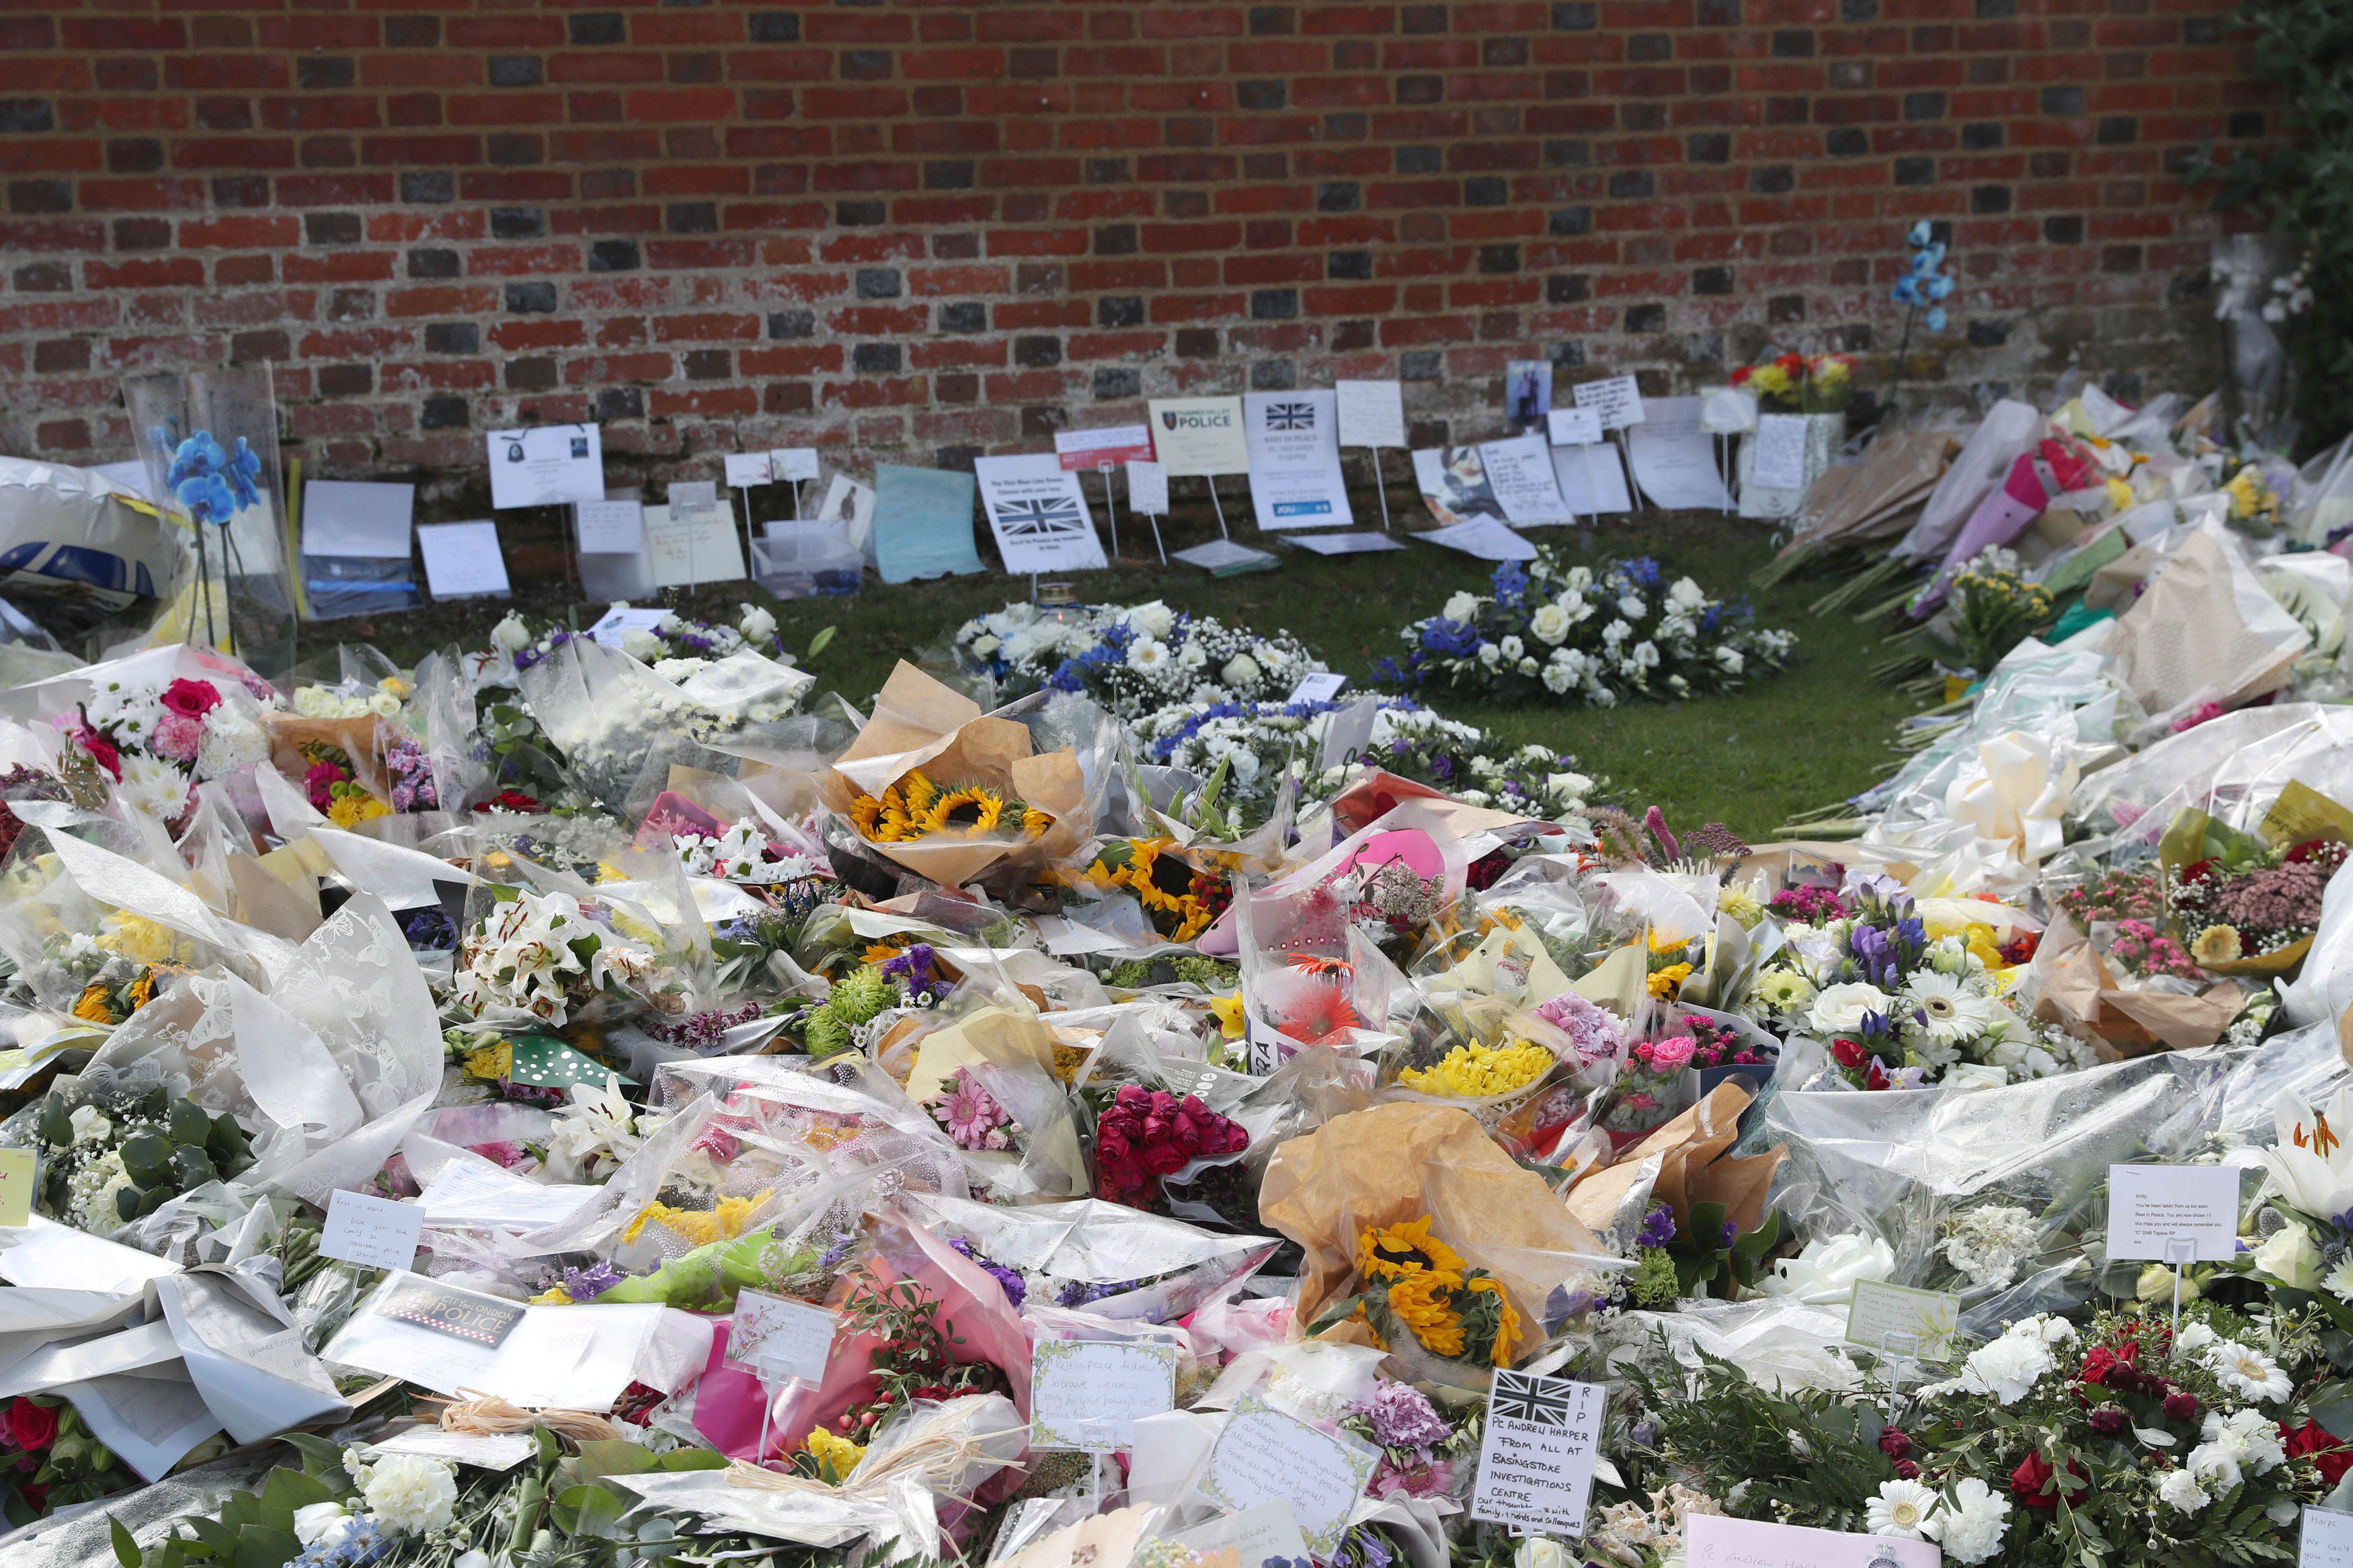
{"type": "Point", "coordinates": [89, 1125]}
{"type": "Point", "coordinates": [1839, 1008]}
{"type": "Point", "coordinates": [326, 1522]}
{"type": "Point", "coordinates": [1241, 671]}
{"type": "Point", "coordinates": [1686, 594]}
{"type": "Point", "coordinates": [758, 624]}
{"type": "Point", "coordinates": [1975, 1075]}
{"type": "Point", "coordinates": [1155, 620]}
{"type": "Point", "coordinates": [383, 705]}
{"type": "Point", "coordinates": [1569, 784]}
{"type": "Point", "coordinates": [1541, 1552]}
{"type": "Point", "coordinates": [1550, 625]}
{"type": "Point", "coordinates": [2290, 1258]}
{"type": "Point", "coordinates": [1632, 607]}
{"type": "Point", "coordinates": [1513, 648]}
{"type": "Point", "coordinates": [1459, 608]}
{"type": "Point", "coordinates": [314, 702]}
{"type": "Point", "coordinates": [984, 646]}
{"type": "Point", "coordinates": [510, 634]}
{"type": "Point", "coordinates": [641, 644]}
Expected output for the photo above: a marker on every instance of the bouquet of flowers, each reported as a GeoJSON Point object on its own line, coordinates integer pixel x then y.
{"type": "Point", "coordinates": [158, 722]}
{"type": "Point", "coordinates": [1554, 631]}
{"type": "Point", "coordinates": [2054, 1446]}
{"type": "Point", "coordinates": [539, 955]}
{"type": "Point", "coordinates": [1179, 898]}
{"type": "Point", "coordinates": [1424, 1453]}
{"type": "Point", "coordinates": [1131, 659]}
{"type": "Point", "coordinates": [106, 1159]}
{"type": "Point", "coordinates": [49, 1458]}
{"type": "Point", "coordinates": [1993, 608]}
{"type": "Point", "coordinates": [1145, 1136]}
{"type": "Point", "coordinates": [1798, 383]}
{"type": "Point", "coordinates": [1413, 1289]}
{"type": "Point", "coordinates": [2251, 903]}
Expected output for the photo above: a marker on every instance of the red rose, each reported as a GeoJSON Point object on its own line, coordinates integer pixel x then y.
{"type": "Point", "coordinates": [193, 698]}
{"type": "Point", "coordinates": [2032, 1485]}
{"type": "Point", "coordinates": [101, 751]}
{"type": "Point", "coordinates": [2329, 1456]}
{"type": "Point", "coordinates": [1110, 1148]}
{"type": "Point", "coordinates": [2102, 1365]}
{"type": "Point", "coordinates": [36, 1498]}
{"type": "Point", "coordinates": [31, 1427]}
{"type": "Point", "coordinates": [1848, 1054]}
{"type": "Point", "coordinates": [1163, 1159]}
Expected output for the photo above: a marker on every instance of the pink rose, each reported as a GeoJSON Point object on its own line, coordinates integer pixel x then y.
{"type": "Point", "coordinates": [1671, 1054]}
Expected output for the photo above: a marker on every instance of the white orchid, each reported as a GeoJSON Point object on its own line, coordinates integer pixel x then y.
{"type": "Point", "coordinates": [2311, 1165]}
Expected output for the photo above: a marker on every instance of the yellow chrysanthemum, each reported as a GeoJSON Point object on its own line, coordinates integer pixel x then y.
{"type": "Point", "coordinates": [1507, 1330]}
{"type": "Point", "coordinates": [836, 1456]}
{"type": "Point", "coordinates": [1229, 1012]}
{"type": "Point", "coordinates": [1475, 1072]}
{"type": "Point", "coordinates": [969, 812]}
{"type": "Point", "coordinates": [1395, 1251]}
{"type": "Point", "coordinates": [1419, 1303]}
{"type": "Point", "coordinates": [492, 1061]}
{"type": "Point", "coordinates": [1667, 981]}
{"type": "Point", "coordinates": [607, 872]}
{"type": "Point", "coordinates": [144, 941]}
{"type": "Point", "coordinates": [558, 1296]}
{"type": "Point", "coordinates": [2216, 944]}
{"type": "Point", "coordinates": [92, 1005]}
{"type": "Point", "coordinates": [697, 1227]}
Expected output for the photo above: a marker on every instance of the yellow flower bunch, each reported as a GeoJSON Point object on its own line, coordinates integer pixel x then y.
{"type": "Point", "coordinates": [1163, 882]}
{"type": "Point", "coordinates": [144, 941]}
{"type": "Point", "coordinates": [1665, 982]}
{"type": "Point", "coordinates": [1415, 1283]}
{"type": "Point", "coordinates": [349, 809]}
{"type": "Point", "coordinates": [697, 1227]}
{"type": "Point", "coordinates": [2250, 496]}
{"type": "Point", "coordinates": [1769, 379]}
{"type": "Point", "coordinates": [492, 1061]}
{"type": "Point", "coordinates": [93, 1006]}
{"type": "Point", "coordinates": [917, 807]}
{"type": "Point", "coordinates": [836, 1456]}
{"type": "Point", "coordinates": [1228, 1011]}
{"type": "Point", "coordinates": [1476, 1072]}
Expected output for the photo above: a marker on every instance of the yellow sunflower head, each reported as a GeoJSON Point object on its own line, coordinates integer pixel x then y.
{"type": "Point", "coordinates": [966, 812]}
{"type": "Point", "coordinates": [1395, 1251]}
{"type": "Point", "coordinates": [918, 791]}
{"type": "Point", "coordinates": [865, 812]}
{"type": "Point", "coordinates": [92, 1005]}
{"type": "Point", "coordinates": [1507, 1329]}
{"type": "Point", "coordinates": [1420, 1304]}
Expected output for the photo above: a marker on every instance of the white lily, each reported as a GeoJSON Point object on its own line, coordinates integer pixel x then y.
{"type": "Point", "coordinates": [2312, 1165]}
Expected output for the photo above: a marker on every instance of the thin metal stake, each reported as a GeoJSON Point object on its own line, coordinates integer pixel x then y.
{"type": "Point", "coordinates": [1901, 1349]}
{"type": "Point", "coordinates": [2181, 1249]}
{"type": "Point", "coordinates": [1381, 485]}
{"type": "Point", "coordinates": [1221, 506]}
{"type": "Point", "coordinates": [1111, 505]}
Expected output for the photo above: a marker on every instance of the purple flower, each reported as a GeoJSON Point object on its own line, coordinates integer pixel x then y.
{"type": "Point", "coordinates": [1658, 1227]}
{"type": "Point", "coordinates": [1403, 1418]}
{"type": "Point", "coordinates": [587, 1284]}
{"type": "Point", "coordinates": [1009, 1281]}
{"type": "Point", "coordinates": [1730, 1231]}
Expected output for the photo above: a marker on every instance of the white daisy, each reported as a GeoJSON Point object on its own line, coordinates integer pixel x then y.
{"type": "Point", "coordinates": [2247, 1371]}
{"type": "Point", "coordinates": [1900, 1509]}
{"type": "Point", "coordinates": [1939, 1007]}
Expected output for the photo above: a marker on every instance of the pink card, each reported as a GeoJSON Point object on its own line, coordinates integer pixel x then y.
{"type": "Point", "coordinates": [1410, 844]}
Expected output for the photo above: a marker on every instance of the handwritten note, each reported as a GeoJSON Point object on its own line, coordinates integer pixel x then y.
{"type": "Point", "coordinates": [1574, 427]}
{"type": "Point", "coordinates": [1781, 452]}
{"type": "Point", "coordinates": [1147, 488]}
{"type": "Point", "coordinates": [611, 527]}
{"type": "Point", "coordinates": [1372, 413]}
{"type": "Point", "coordinates": [462, 560]}
{"type": "Point", "coordinates": [780, 1336]}
{"type": "Point", "coordinates": [1102, 446]}
{"type": "Point", "coordinates": [1713, 1541]}
{"type": "Point", "coordinates": [379, 1233]}
{"type": "Point", "coordinates": [1259, 1533]}
{"type": "Point", "coordinates": [1879, 1310]}
{"type": "Point", "coordinates": [2327, 1539]}
{"type": "Point", "coordinates": [1616, 401]}
{"type": "Point", "coordinates": [793, 464]}
{"type": "Point", "coordinates": [544, 464]}
{"type": "Point", "coordinates": [1087, 1394]}
{"type": "Point", "coordinates": [1535, 1456]}
{"type": "Point", "coordinates": [2149, 1206]}
{"type": "Point", "coordinates": [1264, 1454]}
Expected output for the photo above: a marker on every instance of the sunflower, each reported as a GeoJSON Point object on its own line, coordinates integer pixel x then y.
{"type": "Point", "coordinates": [92, 1005]}
{"type": "Point", "coordinates": [918, 790]}
{"type": "Point", "coordinates": [865, 815]}
{"type": "Point", "coordinates": [1508, 1323]}
{"type": "Point", "coordinates": [1034, 822]}
{"type": "Point", "coordinates": [1420, 1304]}
{"type": "Point", "coordinates": [968, 812]}
{"type": "Point", "coordinates": [1167, 886]}
{"type": "Point", "coordinates": [140, 991]}
{"type": "Point", "coordinates": [1394, 1251]}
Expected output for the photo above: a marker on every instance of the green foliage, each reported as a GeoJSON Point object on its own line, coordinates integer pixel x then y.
{"type": "Point", "coordinates": [2304, 52]}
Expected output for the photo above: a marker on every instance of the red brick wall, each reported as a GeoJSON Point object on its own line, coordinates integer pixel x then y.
{"type": "Point", "coordinates": [928, 228]}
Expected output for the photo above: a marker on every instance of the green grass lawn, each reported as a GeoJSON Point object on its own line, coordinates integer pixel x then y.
{"type": "Point", "coordinates": [1803, 738]}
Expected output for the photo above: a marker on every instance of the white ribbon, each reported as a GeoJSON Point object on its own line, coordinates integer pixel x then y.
{"type": "Point", "coordinates": [2016, 795]}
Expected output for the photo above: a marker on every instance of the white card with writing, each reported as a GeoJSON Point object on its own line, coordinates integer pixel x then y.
{"type": "Point", "coordinates": [1295, 459]}
{"type": "Point", "coordinates": [1258, 1533]}
{"type": "Point", "coordinates": [545, 465]}
{"type": "Point", "coordinates": [1321, 687]}
{"type": "Point", "coordinates": [462, 560]}
{"type": "Point", "coordinates": [692, 495]}
{"type": "Point", "coordinates": [1574, 427]}
{"type": "Point", "coordinates": [1930, 1318]}
{"type": "Point", "coordinates": [376, 1232]}
{"type": "Point", "coordinates": [1038, 514]}
{"type": "Point", "coordinates": [611, 527]}
{"type": "Point", "coordinates": [1088, 1394]}
{"type": "Point", "coordinates": [792, 464]}
{"type": "Point", "coordinates": [1520, 473]}
{"type": "Point", "coordinates": [1536, 1453]}
{"type": "Point", "coordinates": [1781, 452]}
{"type": "Point", "coordinates": [692, 547]}
{"type": "Point", "coordinates": [1591, 479]}
{"type": "Point", "coordinates": [780, 1336]}
{"type": "Point", "coordinates": [1713, 1541]}
{"type": "Point", "coordinates": [1264, 1454]}
{"type": "Point", "coordinates": [621, 620]}
{"type": "Point", "coordinates": [1616, 401]}
{"type": "Point", "coordinates": [1673, 458]}
{"type": "Point", "coordinates": [2327, 1539]}
{"type": "Point", "coordinates": [1147, 488]}
{"type": "Point", "coordinates": [2149, 1206]}
{"type": "Point", "coordinates": [1347, 733]}
{"type": "Point", "coordinates": [1372, 413]}
{"type": "Point", "coordinates": [1198, 436]}
{"type": "Point", "coordinates": [745, 469]}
